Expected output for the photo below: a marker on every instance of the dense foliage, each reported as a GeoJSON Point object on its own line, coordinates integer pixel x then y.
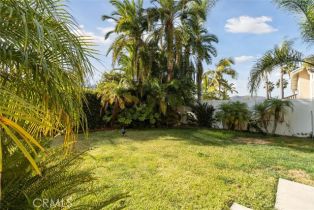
{"type": "Point", "coordinates": [204, 114]}
{"type": "Point", "coordinates": [215, 85]}
{"type": "Point", "coordinates": [93, 110]}
{"type": "Point", "coordinates": [234, 115]}
{"type": "Point", "coordinates": [158, 59]}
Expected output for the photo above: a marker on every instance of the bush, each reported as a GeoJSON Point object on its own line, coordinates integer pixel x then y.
{"type": "Point", "coordinates": [93, 111]}
{"type": "Point", "coordinates": [234, 115]}
{"type": "Point", "coordinates": [204, 114]}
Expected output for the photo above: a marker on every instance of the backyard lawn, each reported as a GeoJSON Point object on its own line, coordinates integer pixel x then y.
{"type": "Point", "coordinates": [196, 168]}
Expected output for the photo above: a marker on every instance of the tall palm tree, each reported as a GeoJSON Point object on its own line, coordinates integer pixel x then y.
{"type": "Point", "coordinates": [204, 50]}
{"type": "Point", "coordinates": [168, 16]}
{"type": "Point", "coordinates": [131, 23]}
{"type": "Point", "coordinates": [214, 81]}
{"type": "Point", "coordinates": [269, 87]}
{"type": "Point", "coordinates": [282, 57]}
{"type": "Point", "coordinates": [43, 64]}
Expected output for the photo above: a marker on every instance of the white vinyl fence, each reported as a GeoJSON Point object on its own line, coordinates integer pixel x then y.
{"type": "Point", "coordinates": [298, 122]}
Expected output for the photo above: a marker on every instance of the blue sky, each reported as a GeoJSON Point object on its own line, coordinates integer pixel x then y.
{"type": "Point", "coordinates": [245, 28]}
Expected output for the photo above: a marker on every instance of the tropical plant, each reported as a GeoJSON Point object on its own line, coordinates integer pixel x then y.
{"type": "Point", "coordinates": [43, 64]}
{"type": "Point", "coordinates": [64, 184]}
{"type": "Point", "coordinates": [262, 115]}
{"type": "Point", "coordinates": [202, 43]}
{"type": "Point", "coordinates": [169, 13]}
{"type": "Point", "coordinates": [204, 114]}
{"type": "Point", "coordinates": [93, 110]}
{"type": "Point", "coordinates": [131, 23]}
{"type": "Point", "coordinates": [283, 57]}
{"type": "Point", "coordinates": [215, 85]}
{"type": "Point", "coordinates": [284, 84]}
{"type": "Point", "coordinates": [117, 94]}
{"type": "Point", "coordinates": [279, 109]}
{"type": "Point", "coordinates": [204, 51]}
{"type": "Point", "coordinates": [269, 87]}
{"type": "Point", "coordinates": [234, 115]}
{"type": "Point", "coordinates": [306, 9]}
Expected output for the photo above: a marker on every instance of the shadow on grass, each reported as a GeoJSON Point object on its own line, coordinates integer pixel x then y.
{"type": "Point", "coordinates": [206, 137]}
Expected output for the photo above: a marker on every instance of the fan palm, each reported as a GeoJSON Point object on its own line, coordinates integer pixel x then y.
{"type": "Point", "coordinates": [43, 64]}
{"type": "Point", "coordinates": [282, 56]}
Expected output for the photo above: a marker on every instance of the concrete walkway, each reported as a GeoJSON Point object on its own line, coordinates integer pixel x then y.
{"type": "Point", "coordinates": [294, 196]}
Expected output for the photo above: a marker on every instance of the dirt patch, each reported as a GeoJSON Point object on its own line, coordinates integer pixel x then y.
{"type": "Point", "coordinates": [301, 176]}
{"type": "Point", "coordinates": [252, 141]}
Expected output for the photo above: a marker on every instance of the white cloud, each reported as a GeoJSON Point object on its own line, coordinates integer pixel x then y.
{"type": "Point", "coordinates": [98, 37]}
{"type": "Point", "coordinates": [247, 24]}
{"type": "Point", "coordinates": [243, 59]}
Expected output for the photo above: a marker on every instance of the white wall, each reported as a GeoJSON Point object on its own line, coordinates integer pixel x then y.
{"type": "Point", "coordinates": [297, 122]}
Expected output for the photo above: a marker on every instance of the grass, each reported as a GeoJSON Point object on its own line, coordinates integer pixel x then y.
{"type": "Point", "coordinates": [196, 168]}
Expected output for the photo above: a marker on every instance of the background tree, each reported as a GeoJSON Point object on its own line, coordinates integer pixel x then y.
{"type": "Point", "coordinates": [131, 23]}
{"type": "Point", "coordinates": [269, 87]}
{"type": "Point", "coordinates": [215, 85]}
{"type": "Point", "coordinates": [283, 57]}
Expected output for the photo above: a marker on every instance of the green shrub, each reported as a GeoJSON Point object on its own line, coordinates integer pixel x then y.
{"type": "Point", "coordinates": [204, 114]}
{"type": "Point", "coordinates": [234, 115]}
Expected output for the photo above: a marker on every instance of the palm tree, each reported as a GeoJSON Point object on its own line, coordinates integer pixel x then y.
{"type": "Point", "coordinates": [279, 109]}
{"type": "Point", "coordinates": [214, 81]}
{"type": "Point", "coordinates": [43, 64]}
{"type": "Point", "coordinates": [269, 87]}
{"type": "Point", "coordinates": [262, 114]}
{"type": "Point", "coordinates": [204, 50]}
{"type": "Point", "coordinates": [283, 57]}
{"type": "Point", "coordinates": [304, 8]}
{"type": "Point", "coordinates": [234, 115]}
{"type": "Point", "coordinates": [115, 92]}
{"type": "Point", "coordinates": [131, 23]}
{"type": "Point", "coordinates": [168, 16]}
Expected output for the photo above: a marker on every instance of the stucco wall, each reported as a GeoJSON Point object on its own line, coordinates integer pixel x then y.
{"type": "Point", "coordinates": [297, 122]}
{"type": "Point", "coordinates": [304, 89]}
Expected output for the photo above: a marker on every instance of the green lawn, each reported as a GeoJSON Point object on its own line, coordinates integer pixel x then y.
{"type": "Point", "coordinates": [196, 168]}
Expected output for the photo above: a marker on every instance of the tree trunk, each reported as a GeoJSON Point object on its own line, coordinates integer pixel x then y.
{"type": "Point", "coordinates": [170, 60]}
{"type": "Point", "coordinates": [267, 88]}
{"type": "Point", "coordinates": [276, 117]}
{"type": "Point", "coordinates": [281, 85]}
{"type": "Point", "coordinates": [199, 80]}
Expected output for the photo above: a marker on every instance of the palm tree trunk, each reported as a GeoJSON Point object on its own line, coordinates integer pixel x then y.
{"type": "Point", "coordinates": [281, 85]}
{"type": "Point", "coordinates": [267, 88]}
{"type": "Point", "coordinates": [199, 79]}
{"type": "Point", "coordinates": [170, 59]}
{"type": "Point", "coordinates": [276, 117]}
